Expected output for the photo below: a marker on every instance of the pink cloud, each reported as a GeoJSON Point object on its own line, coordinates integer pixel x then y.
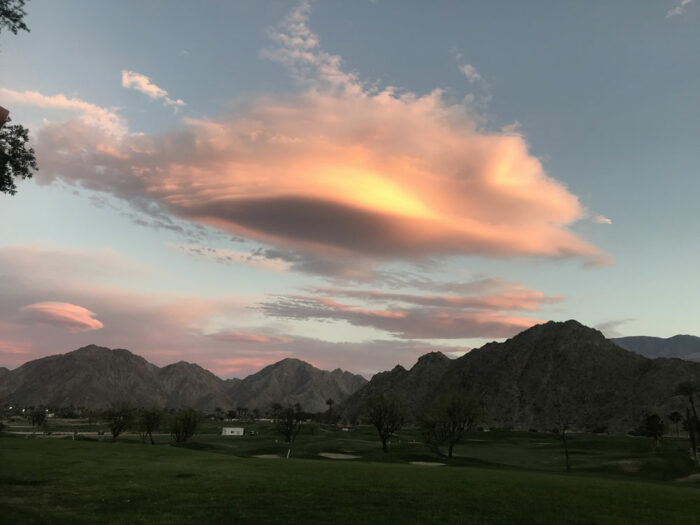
{"type": "Point", "coordinates": [72, 317]}
{"type": "Point", "coordinates": [515, 299]}
{"type": "Point", "coordinates": [139, 82]}
{"type": "Point", "coordinates": [91, 114]}
{"type": "Point", "coordinates": [248, 337]}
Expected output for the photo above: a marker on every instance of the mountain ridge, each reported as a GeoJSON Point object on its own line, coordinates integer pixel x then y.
{"type": "Point", "coordinates": [95, 377]}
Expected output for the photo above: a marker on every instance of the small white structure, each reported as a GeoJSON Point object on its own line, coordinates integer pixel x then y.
{"type": "Point", "coordinates": [232, 431]}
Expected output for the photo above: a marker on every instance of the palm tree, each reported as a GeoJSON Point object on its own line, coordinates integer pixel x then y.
{"type": "Point", "coordinates": [676, 418]}
{"type": "Point", "coordinates": [688, 388]}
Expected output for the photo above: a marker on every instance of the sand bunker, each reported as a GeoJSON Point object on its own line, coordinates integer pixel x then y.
{"type": "Point", "coordinates": [335, 455]}
{"type": "Point", "coordinates": [693, 478]}
{"type": "Point", "coordinates": [427, 463]}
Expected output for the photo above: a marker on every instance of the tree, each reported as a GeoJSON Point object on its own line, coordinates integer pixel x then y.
{"type": "Point", "coordinates": [37, 417]}
{"type": "Point", "coordinates": [563, 417]}
{"type": "Point", "coordinates": [654, 427]}
{"type": "Point", "coordinates": [12, 15]}
{"type": "Point", "coordinates": [184, 424]}
{"type": "Point", "coordinates": [288, 423]}
{"type": "Point", "coordinates": [453, 414]}
{"type": "Point", "coordinates": [676, 417]}
{"type": "Point", "coordinates": [148, 422]}
{"type": "Point", "coordinates": [119, 418]}
{"type": "Point", "coordinates": [386, 415]}
{"type": "Point", "coordinates": [689, 389]}
{"type": "Point", "coordinates": [17, 161]}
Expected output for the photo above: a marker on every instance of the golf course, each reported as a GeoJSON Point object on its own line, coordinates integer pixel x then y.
{"type": "Point", "coordinates": [335, 476]}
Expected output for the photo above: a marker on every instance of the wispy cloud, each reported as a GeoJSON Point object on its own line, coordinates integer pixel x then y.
{"type": "Point", "coordinates": [91, 114]}
{"type": "Point", "coordinates": [406, 323]}
{"type": "Point", "coordinates": [139, 82]}
{"type": "Point", "coordinates": [611, 328]}
{"type": "Point", "coordinates": [470, 72]}
{"type": "Point", "coordinates": [224, 256]}
{"type": "Point", "coordinates": [679, 9]}
{"type": "Point", "coordinates": [602, 219]}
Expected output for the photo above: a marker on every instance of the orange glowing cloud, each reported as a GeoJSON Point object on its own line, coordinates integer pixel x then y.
{"type": "Point", "coordinates": [338, 170]}
{"type": "Point", "coordinates": [72, 317]}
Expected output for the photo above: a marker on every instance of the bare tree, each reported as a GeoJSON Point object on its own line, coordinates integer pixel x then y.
{"type": "Point", "coordinates": [119, 418]}
{"type": "Point", "coordinates": [148, 422]}
{"type": "Point", "coordinates": [184, 424]}
{"type": "Point", "coordinates": [386, 415]}
{"type": "Point", "coordinates": [288, 423]}
{"type": "Point", "coordinates": [453, 414]}
{"type": "Point", "coordinates": [37, 417]}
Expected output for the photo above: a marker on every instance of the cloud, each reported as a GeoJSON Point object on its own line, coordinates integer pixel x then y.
{"type": "Point", "coordinates": [139, 82]}
{"type": "Point", "coordinates": [224, 256]}
{"type": "Point", "coordinates": [610, 328]}
{"type": "Point", "coordinates": [341, 172]}
{"type": "Point", "coordinates": [406, 323]}
{"type": "Point", "coordinates": [90, 114]}
{"type": "Point", "coordinates": [516, 299]}
{"type": "Point", "coordinates": [601, 219]}
{"type": "Point", "coordinates": [164, 328]}
{"type": "Point", "coordinates": [69, 316]}
{"type": "Point", "coordinates": [679, 9]}
{"type": "Point", "coordinates": [248, 337]}
{"type": "Point", "coordinates": [470, 72]}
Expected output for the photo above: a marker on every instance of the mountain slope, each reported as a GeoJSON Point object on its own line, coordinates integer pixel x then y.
{"type": "Point", "coordinates": [294, 381]}
{"type": "Point", "coordinates": [95, 377]}
{"type": "Point", "coordinates": [597, 384]}
{"type": "Point", "coordinates": [92, 376]}
{"type": "Point", "coordinates": [415, 387]}
{"type": "Point", "coordinates": [681, 346]}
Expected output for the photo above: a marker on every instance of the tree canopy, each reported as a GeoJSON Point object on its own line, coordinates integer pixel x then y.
{"type": "Point", "coordinates": [17, 160]}
{"type": "Point", "coordinates": [12, 15]}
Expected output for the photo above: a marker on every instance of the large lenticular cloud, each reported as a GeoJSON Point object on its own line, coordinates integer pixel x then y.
{"type": "Point", "coordinates": [337, 170]}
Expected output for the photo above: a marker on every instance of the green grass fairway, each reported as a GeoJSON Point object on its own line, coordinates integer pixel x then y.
{"type": "Point", "coordinates": [64, 481]}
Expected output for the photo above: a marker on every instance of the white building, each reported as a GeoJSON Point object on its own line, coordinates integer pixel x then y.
{"type": "Point", "coordinates": [232, 431]}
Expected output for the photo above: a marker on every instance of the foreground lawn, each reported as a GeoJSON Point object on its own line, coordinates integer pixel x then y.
{"type": "Point", "coordinates": [62, 481]}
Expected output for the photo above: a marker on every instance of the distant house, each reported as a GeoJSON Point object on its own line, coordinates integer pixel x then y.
{"type": "Point", "coordinates": [232, 431]}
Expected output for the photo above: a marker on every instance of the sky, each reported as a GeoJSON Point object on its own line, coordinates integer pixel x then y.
{"type": "Point", "coordinates": [353, 184]}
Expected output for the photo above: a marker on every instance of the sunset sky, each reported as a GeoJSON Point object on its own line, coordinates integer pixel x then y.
{"type": "Point", "coordinates": [349, 183]}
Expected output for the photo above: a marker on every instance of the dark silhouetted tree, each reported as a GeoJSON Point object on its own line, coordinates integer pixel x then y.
{"type": "Point", "coordinates": [654, 427]}
{"type": "Point", "coordinates": [12, 15]}
{"type": "Point", "coordinates": [17, 161]}
{"type": "Point", "coordinates": [119, 417]}
{"type": "Point", "coordinates": [386, 415]}
{"type": "Point", "coordinates": [183, 424]}
{"type": "Point", "coordinates": [453, 414]}
{"type": "Point", "coordinates": [675, 418]}
{"type": "Point", "coordinates": [147, 422]}
{"type": "Point", "coordinates": [37, 417]}
{"type": "Point", "coordinates": [288, 423]}
{"type": "Point", "coordinates": [689, 389]}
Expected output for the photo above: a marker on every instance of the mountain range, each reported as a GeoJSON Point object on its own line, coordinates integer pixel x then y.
{"type": "Point", "coordinates": [681, 346]}
{"type": "Point", "coordinates": [523, 383]}
{"type": "Point", "coordinates": [548, 370]}
{"type": "Point", "coordinates": [95, 377]}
